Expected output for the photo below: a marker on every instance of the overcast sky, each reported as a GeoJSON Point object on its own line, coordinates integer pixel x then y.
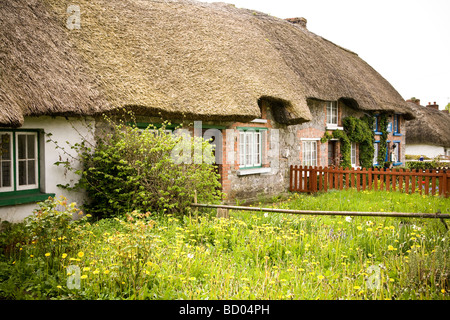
{"type": "Point", "coordinates": [406, 41]}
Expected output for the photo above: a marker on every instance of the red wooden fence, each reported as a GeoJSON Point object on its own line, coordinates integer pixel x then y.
{"type": "Point", "coordinates": [314, 179]}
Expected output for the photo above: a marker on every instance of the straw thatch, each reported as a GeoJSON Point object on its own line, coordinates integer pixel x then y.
{"type": "Point", "coordinates": [178, 58]}
{"type": "Point", "coordinates": [39, 72]}
{"type": "Point", "coordinates": [431, 126]}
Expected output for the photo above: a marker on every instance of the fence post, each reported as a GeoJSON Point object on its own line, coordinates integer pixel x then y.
{"type": "Point", "coordinates": [313, 179]}
{"type": "Point", "coordinates": [290, 178]}
{"type": "Point", "coordinates": [446, 184]}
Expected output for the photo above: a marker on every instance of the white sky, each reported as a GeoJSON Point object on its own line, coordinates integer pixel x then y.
{"type": "Point", "coordinates": [406, 41]}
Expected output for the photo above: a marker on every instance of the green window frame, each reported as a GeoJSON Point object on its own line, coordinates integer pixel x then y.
{"type": "Point", "coordinates": [250, 147]}
{"type": "Point", "coordinates": [20, 167]}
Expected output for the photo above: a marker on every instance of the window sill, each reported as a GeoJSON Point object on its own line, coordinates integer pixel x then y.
{"type": "Point", "coordinates": [333, 127]}
{"type": "Point", "coordinates": [397, 164]}
{"type": "Point", "coordinates": [397, 134]}
{"type": "Point", "coordinates": [378, 133]}
{"type": "Point", "coordinates": [244, 172]}
{"type": "Point", "coordinates": [21, 198]}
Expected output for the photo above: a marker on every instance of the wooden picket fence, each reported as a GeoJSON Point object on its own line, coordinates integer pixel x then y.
{"type": "Point", "coordinates": [314, 179]}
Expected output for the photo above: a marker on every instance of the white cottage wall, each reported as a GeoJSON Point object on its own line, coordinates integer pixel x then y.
{"type": "Point", "coordinates": [66, 132]}
{"type": "Point", "coordinates": [428, 150]}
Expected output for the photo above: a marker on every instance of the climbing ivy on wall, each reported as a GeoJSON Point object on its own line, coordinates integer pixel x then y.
{"type": "Point", "coordinates": [359, 131]}
{"type": "Point", "coordinates": [382, 127]}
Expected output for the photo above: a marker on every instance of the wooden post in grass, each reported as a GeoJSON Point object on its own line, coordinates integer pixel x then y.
{"type": "Point", "coordinates": [222, 213]}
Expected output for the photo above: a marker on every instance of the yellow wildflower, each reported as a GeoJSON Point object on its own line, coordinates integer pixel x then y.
{"type": "Point", "coordinates": [81, 254]}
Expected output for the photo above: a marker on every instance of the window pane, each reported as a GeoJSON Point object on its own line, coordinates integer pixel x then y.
{"type": "Point", "coordinates": [31, 174]}
{"type": "Point", "coordinates": [306, 153]}
{"type": "Point", "coordinates": [5, 147]}
{"type": "Point", "coordinates": [248, 148]}
{"type": "Point", "coordinates": [375, 154]}
{"type": "Point", "coordinates": [334, 120]}
{"type": "Point", "coordinates": [22, 173]}
{"type": "Point", "coordinates": [31, 146]}
{"type": "Point", "coordinates": [241, 148]}
{"type": "Point", "coordinates": [6, 174]}
{"type": "Point", "coordinates": [22, 146]}
{"type": "Point", "coordinates": [353, 154]}
{"type": "Point", "coordinates": [257, 149]}
{"type": "Point", "coordinates": [313, 153]}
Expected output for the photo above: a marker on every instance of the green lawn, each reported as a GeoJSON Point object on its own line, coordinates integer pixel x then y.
{"type": "Point", "coordinates": [251, 255]}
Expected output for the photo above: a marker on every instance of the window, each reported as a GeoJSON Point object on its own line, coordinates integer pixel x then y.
{"type": "Point", "coordinates": [332, 114]}
{"type": "Point", "coordinates": [19, 161]}
{"type": "Point", "coordinates": [375, 154]}
{"type": "Point", "coordinates": [250, 150]}
{"type": "Point", "coordinates": [6, 164]}
{"type": "Point", "coordinates": [353, 154]}
{"type": "Point", "coordinates": [396, 124]}
{"type": "Point", "coordinates": [396, 153]}
{"type": "Point", "coordinates": [309, 153]}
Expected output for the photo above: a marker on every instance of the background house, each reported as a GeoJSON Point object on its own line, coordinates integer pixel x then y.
{"type": "Point", "coordinates": [255, 79]}
{"type": "Point", "coordinates": [429, 133]}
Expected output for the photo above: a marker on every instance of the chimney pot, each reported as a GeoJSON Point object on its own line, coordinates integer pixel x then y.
{"type": "Point", "coordinates": [300, 21]}
{"type": "Point", "coordinates": [434, 105]}
{"type": "Point", "coordinates": [414, 100]}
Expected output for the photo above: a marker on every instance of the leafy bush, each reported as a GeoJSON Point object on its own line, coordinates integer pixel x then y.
{"type": "Point", "coordinates": [147, 170]}
{"type": "Point", "coordinates": [422, 165]}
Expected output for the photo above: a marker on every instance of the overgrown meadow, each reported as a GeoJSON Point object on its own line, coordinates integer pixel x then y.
{"type": "Point", "coordinates": [251, 255]}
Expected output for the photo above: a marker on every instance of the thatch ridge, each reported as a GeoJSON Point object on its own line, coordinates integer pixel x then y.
{"type": "Point", "coordinates": [179, 58]}
{"type": "Point", "coordinates": [431, 126]}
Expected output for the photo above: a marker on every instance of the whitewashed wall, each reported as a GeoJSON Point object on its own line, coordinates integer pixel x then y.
{"type": "Point", "coordinates": [72, 130]}
{"type": "Point", "coordinates": [430, 151]}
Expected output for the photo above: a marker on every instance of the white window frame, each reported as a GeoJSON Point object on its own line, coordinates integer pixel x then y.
{"type": "Point", "coordinates": [397, 151]}
{"type": "Point", "coordinates": [353, 154]}
{"type": "Point", "coordinates": [309, 152]}
{"type": "Point", "coordinates": [376, 146]}
{"type": "Point", "coordinates": [332, 114]}
{"type": "Point", "coordinates": [250, 148]}
{"type": "Point", "coordinates": [11, 161]}
{"type": "Point", "coordinates": [34, 158]}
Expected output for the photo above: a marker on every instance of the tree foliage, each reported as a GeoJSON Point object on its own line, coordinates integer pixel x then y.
{"type": "Point", "coordinates": [146, 170]}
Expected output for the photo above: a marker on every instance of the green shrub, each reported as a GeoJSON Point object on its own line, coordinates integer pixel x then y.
{"type": "Point", "coordinates": [147, 170]}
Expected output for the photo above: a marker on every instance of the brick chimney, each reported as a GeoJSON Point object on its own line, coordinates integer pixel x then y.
{"type": "Point", "coordinates": [300, 21]}
{"type": "Point", "coordinates": [434, 105]}
{"type": "Point", "coordinates": [414, 100]}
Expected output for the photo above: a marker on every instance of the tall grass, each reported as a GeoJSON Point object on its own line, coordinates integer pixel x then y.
{"type": "Point", "coordinates": [251, 255]}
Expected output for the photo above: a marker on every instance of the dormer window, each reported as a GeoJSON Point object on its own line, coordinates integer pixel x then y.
{"type": "Point", "coordinates": [332, 114]}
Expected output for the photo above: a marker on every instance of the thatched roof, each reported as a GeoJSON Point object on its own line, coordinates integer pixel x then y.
{"type": "Point", "coordinates": [39, 72]}
{"type": "Point", "coordinates": [180, 58]}
{"type": "Point", "coordinates": [431, 126]}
